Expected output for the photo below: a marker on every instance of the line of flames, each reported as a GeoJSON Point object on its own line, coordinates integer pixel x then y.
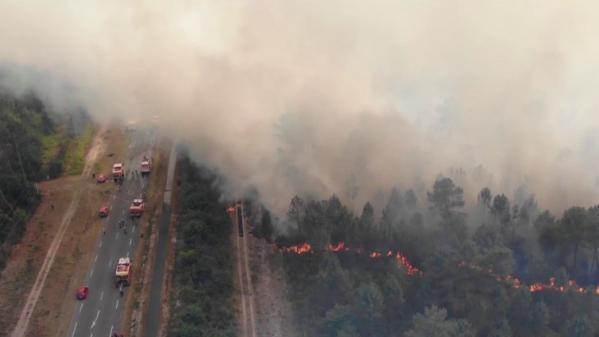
{"type": "Point", "coordinates": [305, 248]}
{"type": "Point", "coordinates": [533, 287]}
{"type": "Point", "coordinates": [514, 282]}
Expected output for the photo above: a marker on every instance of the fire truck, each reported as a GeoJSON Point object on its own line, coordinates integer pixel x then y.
{"type": "Point", "coordinates": [118, 172]}
{"type": "Point", "coordinates": [123, 272]}
{"type": "Point", "coordinates": [146, 167]}
{"type": "Point", "coordinates": [137, 207]}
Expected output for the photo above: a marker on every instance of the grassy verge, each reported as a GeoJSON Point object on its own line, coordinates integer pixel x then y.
{"type": "Point", "coordinates": [63, 154]}
{"type": "Point", "coordinates": [74, 160]}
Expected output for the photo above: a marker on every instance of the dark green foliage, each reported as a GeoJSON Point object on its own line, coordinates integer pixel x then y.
{"type": "Point", "coordinates": [203, 273]}
{"type": "Point", "coordinates": [434, 322]}
{"type": "Point", "coordinates": [579, 327]}
{"type": "Point", "coordinates": [446, 196]}
{"type": "Point", "coordinates": [265, 228]}
{"type": "Point", "coordinates": [464, 269]}
{"type": "Point", "coordinates": [23, 123]}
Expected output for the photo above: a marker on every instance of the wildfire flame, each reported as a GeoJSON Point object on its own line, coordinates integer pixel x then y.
{"type": "Point", "coordinates": [298, 249]}
{"type": "Point", "coordinates": [402, 260]}
{"type": "Point", "coordinates": [340, 247]}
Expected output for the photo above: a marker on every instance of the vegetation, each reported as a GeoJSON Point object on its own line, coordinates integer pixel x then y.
{"type": "Point", "coordinates": [485, 273]}
{"type": "Point", "coordinates": [33, 146]}
{"type": "Point", "coordinates": [203, 282]}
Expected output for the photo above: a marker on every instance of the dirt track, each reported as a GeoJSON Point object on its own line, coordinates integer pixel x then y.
{"type": "Point", "coordinates": [264, 309]}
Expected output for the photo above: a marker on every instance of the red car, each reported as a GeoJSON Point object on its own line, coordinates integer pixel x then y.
{"type": "Point", "coordinates": [100, 178]}
{"type": "Point", "coordinates": [104, 211]}
{"type": "Point", "coordinates": [82, 293]}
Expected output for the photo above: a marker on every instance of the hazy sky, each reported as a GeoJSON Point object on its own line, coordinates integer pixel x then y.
{"type": "Point", "coordinates": [336, 96]}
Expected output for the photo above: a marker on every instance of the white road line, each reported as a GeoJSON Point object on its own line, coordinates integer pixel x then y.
{"type": "Point", "coordinates": [95, 319]}
{"type": "Point", "coordinates": [110, 334]}
{"type": "Point", "coordinates": [117, 304]}
{"type": "Point", "coordinates": [74, 329]}
{"type": "Point", "coordinates": [130, 240]}
{"type": "Point", "coordinates": [91, 273]}
{"type": "Point", "coordinates": [102, 295]}
{"type": "Point", "coordinates": [100, 245]}
{"type": "Point", "coordinates": [127, 254]}
{"type": "Point", "coordinates": [95, 259]}
{"type": "Point", "coordinates": [80, 307]}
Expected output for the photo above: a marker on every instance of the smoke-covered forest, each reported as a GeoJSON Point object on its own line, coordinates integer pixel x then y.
{"type": "Point", "coordinates": [422, 269]}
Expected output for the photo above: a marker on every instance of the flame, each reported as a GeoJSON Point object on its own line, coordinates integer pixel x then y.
{"type": "Point", "coordinates": [402, 260]}
{"type": "Point", "coordinates": [300, 249]}
{"type": "Point", "coordinates": [340, 247]}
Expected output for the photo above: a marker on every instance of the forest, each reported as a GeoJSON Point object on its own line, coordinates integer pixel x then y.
{"type": "Point", "coordinates": [35, 144]}
{"type": "Point", "coordinates": [426, 268]}
{"type": "Point", "coordinates": [203, 284]}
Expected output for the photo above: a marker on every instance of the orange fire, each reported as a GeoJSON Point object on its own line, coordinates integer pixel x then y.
{"type": "Point", "coordinates": [298, 249]}
{"type": "Point", "coordinates": [340, 247]}
{"type": "Point", "coordinates": [401, 259]}
{"type": "Point", "coordinates": [410, 269]}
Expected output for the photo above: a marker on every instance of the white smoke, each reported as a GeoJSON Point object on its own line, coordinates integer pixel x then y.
{"type": "Point", "coordinates": [346, 97]}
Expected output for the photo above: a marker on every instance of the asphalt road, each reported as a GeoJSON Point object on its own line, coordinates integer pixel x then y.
{"type": "Point", "coordinates": [153, 318]}
{"type": "Point", "coordinates": [101, 313]}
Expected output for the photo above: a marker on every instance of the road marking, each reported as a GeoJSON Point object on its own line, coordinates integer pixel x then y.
{"type": "Point", "coordinates": [91, 273]}
{"type": "Point", "coordinates": [110, 334]}
{"type": "Point", "coordinates": [80, 307]}
{"type": "Point", "coordinates": [102, 295]}
{"type": "Point", "coordinates": [130, 240]}
{"type": "Point", "coordinates": [117, 304]}
{"type": "Point", "coordinates": [100, 245]}
{"type": "Point", "coordinates": [74, 329]}
{"type": "Point", "coordinates": [95, 259]}
{"type": "Point", "coordinates": [95, 320]}
{"type": "Point", "coordinates": [127, 254]}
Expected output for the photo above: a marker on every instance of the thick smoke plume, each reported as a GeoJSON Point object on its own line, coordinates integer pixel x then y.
{"type": "Point", "coordinates": [346, 97]}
